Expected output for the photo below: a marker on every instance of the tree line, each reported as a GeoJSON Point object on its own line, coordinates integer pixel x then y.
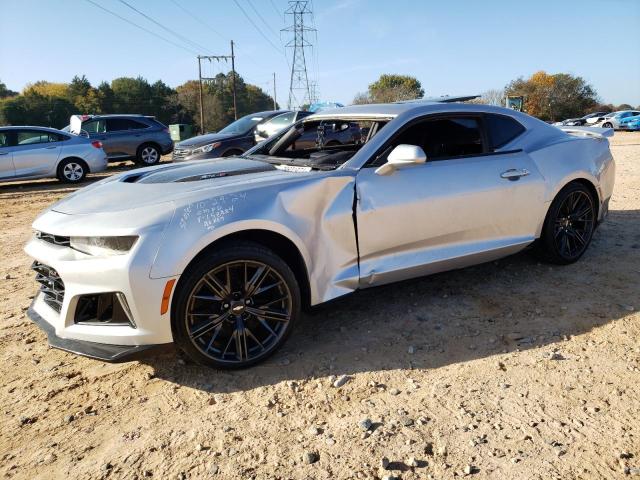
{"type": "Point", "coordinates": [51, 104]}
{"type": "Point", "coordinates": [550, 97]}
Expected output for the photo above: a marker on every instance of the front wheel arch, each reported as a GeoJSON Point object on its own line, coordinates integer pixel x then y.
{"type": "Point", "coordinates": [282, 246]}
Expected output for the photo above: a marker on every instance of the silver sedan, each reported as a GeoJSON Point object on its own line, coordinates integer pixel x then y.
{"type": "Point", "coordinates": [39, 152]}
{"type": "Point", "coordinates": [236, 247]}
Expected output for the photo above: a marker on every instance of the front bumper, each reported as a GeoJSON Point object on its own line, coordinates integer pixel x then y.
{"type": "Point", "coordinates": [99, 351]}
{"type": "Point", "coordinates": [68, 278]}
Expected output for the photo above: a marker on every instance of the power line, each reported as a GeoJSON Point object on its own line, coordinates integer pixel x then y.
{"type": "Point", "coordinates": [141, 27]}
{"type": "Point", "coordinates": [256, 26]}
{"type": "Point", "coordinates": [275, 8]}
{"type": "Point", "coordinates": [199, 20]}
{"type": "Point", "coordinates": [262, 18]}
{"type": "Point", "coordinates": [176, 34]}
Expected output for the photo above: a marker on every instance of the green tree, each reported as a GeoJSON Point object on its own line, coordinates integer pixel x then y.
{"type": "Point", "coordinates": [391, 88]}
{"type": "Point", "coordinates": [554, 97]}
{"type": "Point", "coordinates": [5, 92]}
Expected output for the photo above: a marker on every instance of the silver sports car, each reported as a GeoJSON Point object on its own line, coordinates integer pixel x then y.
{"type": "Point", "coordinates": [225, 262]}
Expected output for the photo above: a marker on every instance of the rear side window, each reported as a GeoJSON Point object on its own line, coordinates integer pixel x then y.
{"type": "Point", "coordinates": [502, 129]}
{"type": "Point", "coordinates": [119, 124]}
{"type": "Point", "coordinates": [32, 137]}
{"type": "Point", "coordinates": [94, 126]}
{"type": "Point", "coordinates": [4, 139]}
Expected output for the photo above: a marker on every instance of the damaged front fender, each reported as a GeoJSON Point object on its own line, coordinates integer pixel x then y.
{"type": "Point", "coordinates": [315, 213]}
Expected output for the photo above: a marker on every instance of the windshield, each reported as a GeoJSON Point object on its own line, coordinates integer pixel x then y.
{"type": "Point", "coordinates": [322, 144]}
{"type": "Point", "coordinates": [243, 124]}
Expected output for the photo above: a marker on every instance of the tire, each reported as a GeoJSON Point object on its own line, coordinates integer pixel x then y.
{"type": "Point", "coordinates": [569, 225]}
{"type": "Point", "coordinates": [243, 331]}
{"type": "Point", "coordinates": [607, 125]}
{"type": "Point", "coordinates": [148, 154]}
{"type": "Point", "coordinates": [72, 170]}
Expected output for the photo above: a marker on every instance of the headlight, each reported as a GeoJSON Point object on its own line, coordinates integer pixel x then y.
{"type": "Point", "coordinates": [103, 246]}
{"type": "Point", "coordinates": [206, 148]}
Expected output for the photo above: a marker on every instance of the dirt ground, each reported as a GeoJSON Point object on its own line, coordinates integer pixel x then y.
{"type": "Point", "coordinates": [508, 370]}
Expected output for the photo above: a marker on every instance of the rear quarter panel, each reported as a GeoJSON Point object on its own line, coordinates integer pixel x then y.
{"type": "Point", "coordinates": [570, 158]}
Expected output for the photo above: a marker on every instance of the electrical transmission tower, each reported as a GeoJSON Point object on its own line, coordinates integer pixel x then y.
{"type": "Point", "coordinates": [299, 87]}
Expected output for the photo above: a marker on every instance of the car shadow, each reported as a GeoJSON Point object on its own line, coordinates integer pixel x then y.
{"type": "Point", "coordinates": [517, 303]}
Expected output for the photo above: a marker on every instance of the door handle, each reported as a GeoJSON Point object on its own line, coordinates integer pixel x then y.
{"type": "Point", "coordinates": [515, 173]}
{"type": "Point", "coordinates": [4, 153]}
{"type": "Point", "coordinates": [52, 146]}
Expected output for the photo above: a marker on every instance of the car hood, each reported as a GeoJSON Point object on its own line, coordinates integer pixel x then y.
{"type": "Point", "coordinates": [201, 140]}
{"type": "Point", "coordinates": [171, 183]}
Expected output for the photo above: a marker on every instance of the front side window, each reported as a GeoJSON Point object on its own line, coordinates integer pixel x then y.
{"type": "Point", "coordinates": [4, 139]}
{"type": "Point", "coordinates": [445, 137]}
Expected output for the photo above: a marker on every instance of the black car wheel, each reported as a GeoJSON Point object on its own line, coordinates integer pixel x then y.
{"type": "Point", "coordinates": [569, 225]}
{"type": "Point", "coordinates": [607, 125]}
{"type": "Point", "coordinates": [235, 307]}
{"type": "Point", "coordinates": [72, 170]}
{"type": "Point", "coordinates": [148, 155]}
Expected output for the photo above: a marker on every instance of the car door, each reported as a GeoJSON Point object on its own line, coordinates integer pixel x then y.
{"type": "Point", "coordinates": [468, 203]}
{"type": "Point", "coordinates": [36, 152]}
{"type": "Point", "coordinates": [97, 130]}
{"type": "Point", "coordinates": [123, 139]}
{"type": "Point", "coordinates": [6, 156]}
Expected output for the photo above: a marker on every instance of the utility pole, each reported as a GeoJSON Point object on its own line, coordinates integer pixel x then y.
{"type": "Point", "coordinates": [275, 103]}
{"type": "Point", "coordinates": [217, 58]}
{"type": "Point", "coordinates": [201, 102]}
{"type": "Point", "coordinates": [233, 82]}
{"type": "Point", "coordinates": [299, 91]}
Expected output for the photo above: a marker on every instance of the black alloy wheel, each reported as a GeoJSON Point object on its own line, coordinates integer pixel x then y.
{"type": "Point", "coordinates": [238, 309]}
{"type": "Point", "coordinates": [569, 225]}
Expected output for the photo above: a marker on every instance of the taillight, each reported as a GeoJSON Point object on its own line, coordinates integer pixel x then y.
{"type": "Point", "coordinates": [97, 143]}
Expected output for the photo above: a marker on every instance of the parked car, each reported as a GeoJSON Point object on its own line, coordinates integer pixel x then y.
{"type": "Point", "coordinates": [234, 139]}
{"type": "Point", "coordinates": [597, 119]}
{"type": "Point", "coordinates": [223, 264]}
{"type": "Point", "coordinates": [612, 120]}
{"type": "Point", "coordinates": [630, 123]}
{"type": "Point", "coordinates": [582, 120]}
{"type": "Point", "coordinates": [126, 137]}
{"type": "Point", "coordinates": [39, 152]}
{"type": "Point", "coordinates": [277, 123]}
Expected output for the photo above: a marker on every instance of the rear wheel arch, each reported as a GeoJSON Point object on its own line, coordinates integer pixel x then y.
{"type": "Point", "coordinates": [278, 243]}
{"type": "Point", "coordinates": [142, 146]}
{"type": "Point", "coordinates": [75, 159]}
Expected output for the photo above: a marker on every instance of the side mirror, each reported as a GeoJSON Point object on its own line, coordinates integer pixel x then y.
{"type": "Point", "coordinates": [402, 156]}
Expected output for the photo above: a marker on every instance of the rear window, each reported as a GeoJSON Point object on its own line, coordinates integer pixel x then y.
{"type": "Point", "coordinates": [502, 129]}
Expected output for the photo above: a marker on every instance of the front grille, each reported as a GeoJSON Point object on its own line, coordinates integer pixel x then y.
{"type": "Point", "coordinates": [180, 153]}
{"type": "Point", "coordinates": [55, 239]}
{"type": "Point", "coordinates": [51, 285]}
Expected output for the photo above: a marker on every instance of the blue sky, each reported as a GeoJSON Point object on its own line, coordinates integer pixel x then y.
{"type": "Point", "coordinates": [452, 47]}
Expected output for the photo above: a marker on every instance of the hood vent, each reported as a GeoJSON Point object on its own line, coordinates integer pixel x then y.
{"type": "Point", "coordinates": [199, 170]}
